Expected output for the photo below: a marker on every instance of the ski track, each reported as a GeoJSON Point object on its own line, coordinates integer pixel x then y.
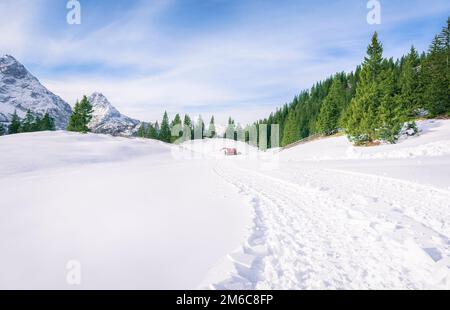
{"type": "Point", "coordinates": [327, 229]}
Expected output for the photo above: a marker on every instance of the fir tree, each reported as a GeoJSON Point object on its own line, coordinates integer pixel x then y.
{"type": "Point", "coordinates": [199, 130]}
{"type": "Point", "coordinates": [152, 132]}
{"type": "Point", "coordinates": [29, 123]}
{"type": "Point", "coordinates": [176, 128]}
{"type": "Point", "coordinates": [230, 132]}
{"type": "Point", "coordinates": [165, 133]}
{"type": "Point", "coordinates": [361, 121]}
{"type": "Point", "coordinates": [188, 131]}
{"type": "Point", "coordinates": [157, 130]}
{"type": "Point", "coordinates": [2, 129]}
{"type": "Point", "coordinates": [390, 115]}
{"type": "Point", "coordinates": [212, 128]}
{"type": "Point", "coordinates": [409, 83]}
{"type": "Point", "coordinates": [81, 116]}
{"type": "Point", "coordinates": [15, 125]}
{"type": "Point", "coordinates": [142, 133]}
{"type": "Point", "coordinates": [327, 122]}
{"type": "Point", "coordinates": [46, 123]}
{"type": "Point", "coordinates": [291, 131]}
{"type": "Point", "coordinates": [436, 85]}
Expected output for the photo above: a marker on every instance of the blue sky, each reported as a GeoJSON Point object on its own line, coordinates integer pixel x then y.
{"type": "Point", "coordinates": [224, 57]}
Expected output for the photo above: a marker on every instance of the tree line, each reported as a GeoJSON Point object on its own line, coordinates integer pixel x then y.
{"type": "Point", "coordinates": [373, 102]}
{"type": "Point", "coordinates": [30, 123]}
{"type": "Point", "coordinates": [178, 130]}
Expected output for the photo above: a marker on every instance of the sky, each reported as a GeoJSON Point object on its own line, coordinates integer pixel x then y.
{"type": "Point", "coordinates": [239, 58]}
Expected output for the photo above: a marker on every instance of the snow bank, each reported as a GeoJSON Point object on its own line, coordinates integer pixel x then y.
{"type": "Point", "coordinates": [434, 140]}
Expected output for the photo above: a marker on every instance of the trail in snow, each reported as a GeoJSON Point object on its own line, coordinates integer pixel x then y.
{"type": "Point", "coordinates": [321, 228]}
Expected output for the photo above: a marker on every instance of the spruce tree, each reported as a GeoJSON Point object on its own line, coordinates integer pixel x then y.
{"type": "Point", "coordinates": [327, 122]}
{"type": "Point", "coordinates": [141, 133]}
{"type": "Point", "coordinates": [391, 115]}
{"type": "Point", "coordinates": [212, 128]}
{"type": "Point", "coordinates": [29, 122]}
{"type": "Point", "coordinates": [188, 131]}
{"type": "Point", "coordinates": [2, 129]}
{"type": "Point", "coordinates": [291, 132]}
{"type": "Point", "coordinates": [436, 83]}
{"type": "Point", "coordinates": [230, 132]}
{"type": "Point", "coordinates": [361, 121]}
{"type": "Point", "coordinates": [46, 123]}
{"type": "Point", "coordinates": [165, 133]}
{"type": "Point", "coordinates": [409, 83]}
{"type": "Point", "coordinates": [199, 130]}
{"type": "Point", "coordinates": [81, 116]}
{"type": "Point", "coordinates": [176, 128]}
{"type": "Point", "coordinates": [152, 132]}
{"type": "Point", "coordinates": [15, 125]}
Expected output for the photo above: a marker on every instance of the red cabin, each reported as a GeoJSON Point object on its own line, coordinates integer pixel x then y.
{"type": "Point", "coordinates": [230, 151]}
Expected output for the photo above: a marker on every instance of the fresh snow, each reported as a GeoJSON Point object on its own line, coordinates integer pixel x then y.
{"type": "Point", "coordinates": [131, 214]}
{"type": "Point", "coordinates": [142, 214]}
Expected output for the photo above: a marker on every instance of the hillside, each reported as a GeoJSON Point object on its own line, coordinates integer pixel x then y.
{"type": "Point", "coordinates": [322, 215]}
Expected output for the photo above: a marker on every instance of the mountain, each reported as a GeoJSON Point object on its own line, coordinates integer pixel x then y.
{"type": "Point", "coordinates": [107, 119]}
{"type": "Point", "coordinates": [21, 91]}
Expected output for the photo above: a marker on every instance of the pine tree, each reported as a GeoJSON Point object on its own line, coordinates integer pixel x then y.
{"type": "Point", "coordinates": [188, 130]}
{"type": "Point", "coordinates": [361, 121]}
{"type": "Point", "coordinates": [165, 133]}
{"type": "Point", "coordinates": [199, 131]}
{"type": "Point", "coordinates": [409, 83]}
{"type": "Point", "coordinates": [81, 116]}
{"type": "Point", "coordinates": [327, 122]}
{"type": "Point", "coordinates": [391, 113]}
{"type": "Point", "coordinates": [2, 129]}
{"type": "Point", "coordinates": [29, 122]}
{"type": "Point", "coordinates": [176, 128]}
{"type": "Point", "coordinates": [46, 123]}
{"type": "Point", "coordinates": [141, 133]}
{"type": "Point", "coordinates": [15, 125]}
{"type": "Point", "coordinates": [291, 131]}
{"type": "Point", "coordinates": [230, 132]}
{"type": "Point", "coordinates": [435, 79]}
{"type": "Point", "coordinates": [152, 133]}
{"type": "Point", "coordinates": [212, 128]}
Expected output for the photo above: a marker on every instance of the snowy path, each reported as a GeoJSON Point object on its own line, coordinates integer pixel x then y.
{"type": "Point", "coordinates": [319, 228]}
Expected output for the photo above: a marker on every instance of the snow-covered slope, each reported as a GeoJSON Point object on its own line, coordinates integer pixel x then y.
{"type": "Point", "coordinates": [433, 140]}
{"type": "Point", "coordinates": [132, 215]}
{"type": "Point", "coordinates": [143, 214]}
{"type": "Point", "coordinates": [21, 91]}
{"type": "Point", "coordinates": [108, 120]}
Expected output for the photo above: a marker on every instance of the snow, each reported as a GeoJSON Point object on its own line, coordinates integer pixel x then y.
{"type": "Point", "coordinates": [21, 91]}
{"type": "Point", "coordinates": [107, 119]}
{"type": "Point", "coordinates": [434, 140]}
{"type": "Point", "coordinates": [131, 214]}
{"type": "Point", "coordinates": [321, 215]}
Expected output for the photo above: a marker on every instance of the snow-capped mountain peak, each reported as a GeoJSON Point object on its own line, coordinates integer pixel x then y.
{"type": "Point", "coordinates": [102, 108]}
{"type": "Point", "coordinates": [10, 66]}
{"type": "Point", "coordinates": [21, 91]}
{"type": "Point", "coordinates": [107, 119]}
